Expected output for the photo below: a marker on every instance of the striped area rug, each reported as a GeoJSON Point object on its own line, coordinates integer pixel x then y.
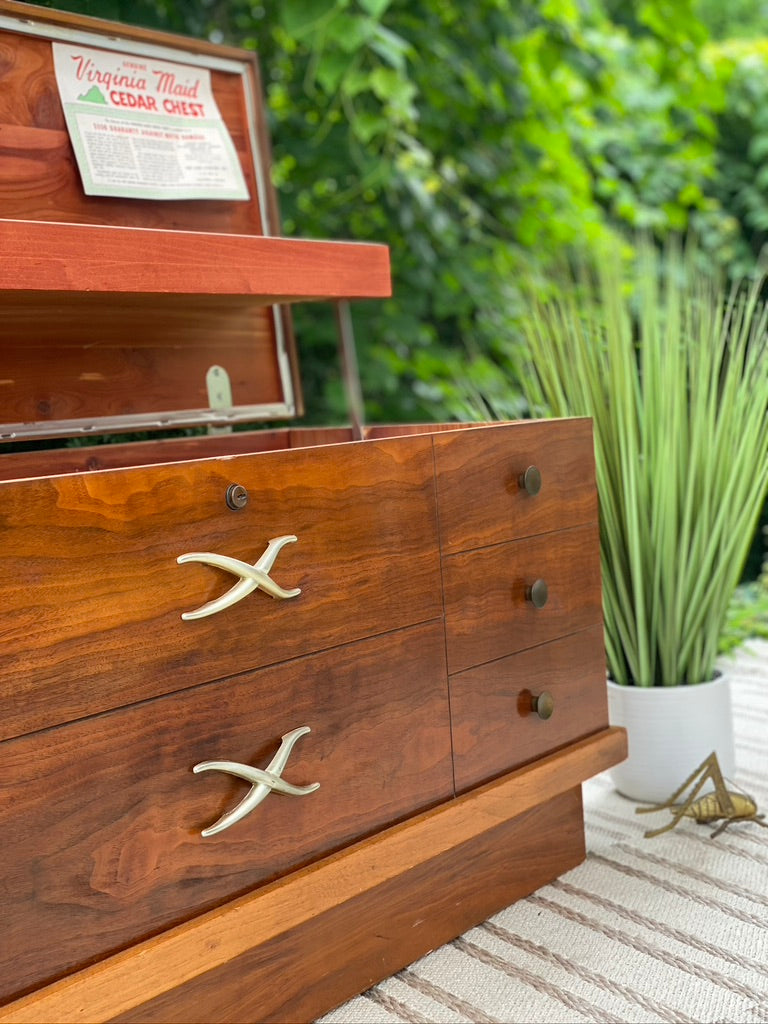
{"type": "Point", "coordinates": [667, 929]}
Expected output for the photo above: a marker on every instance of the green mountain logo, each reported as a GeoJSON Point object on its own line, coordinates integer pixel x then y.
{"type": "Point", "coordinates": [94, 95]}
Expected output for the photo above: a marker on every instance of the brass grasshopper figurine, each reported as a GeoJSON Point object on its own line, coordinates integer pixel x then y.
{"type": "Point", "coordinates": [714, 806]}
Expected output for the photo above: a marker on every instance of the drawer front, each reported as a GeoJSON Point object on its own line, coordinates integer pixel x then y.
{"type": "Point", "coordinates": [488, 608]}
{"type": "Point", "coordinates": [102, 820]}
{"type": "Point", "coordinates": [494, 727]}
{"type": "Point", "coordinates": [92, 594]}
{"type": "Point", "coordinates": [481, 498]}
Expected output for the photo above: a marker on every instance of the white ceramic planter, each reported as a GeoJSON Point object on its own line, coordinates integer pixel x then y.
{"type": "Point", "coordinates": [670, 730]}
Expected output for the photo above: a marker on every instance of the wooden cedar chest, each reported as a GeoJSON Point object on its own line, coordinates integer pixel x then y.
{"type": "Point", "coordinates": [404, 600]}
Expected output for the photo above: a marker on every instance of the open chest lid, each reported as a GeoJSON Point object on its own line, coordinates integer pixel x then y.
{"type": "Point", "coordinates": [144, 283]}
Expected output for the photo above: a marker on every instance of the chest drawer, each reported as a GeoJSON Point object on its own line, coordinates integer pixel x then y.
{"type": "Point", "coordinates": [92, 593]}
{"type": "Point", "coordinates": [484, 476]}
{"type": "Point", "coordinates": [495, 728]}
{"type": "Point", "coordinates": [492, 594]}
{"type": "Point", "coordinates": [102, 818]}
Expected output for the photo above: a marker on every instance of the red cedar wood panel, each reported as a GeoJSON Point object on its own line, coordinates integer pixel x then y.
{"type": "Point", "coordinates": [39, 179]}
{"type": "Point", "coordinates": [85, 356]}
{"type": "Point", "coordinates": [137, 976]}
{"type": "Point", "coordinates": [85, 382]}
{"type": "Point", "coordinates": [116, 855]}
{"type": "Point", "coordinates": [181, 263]}
{"type": "Point", "coordinates": [95, 258]}
{"type": "Point", "coordinates": [366, 560]}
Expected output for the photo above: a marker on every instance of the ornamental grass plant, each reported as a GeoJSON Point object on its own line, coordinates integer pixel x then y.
{"type": "Point", "coordinates": [673, 368]}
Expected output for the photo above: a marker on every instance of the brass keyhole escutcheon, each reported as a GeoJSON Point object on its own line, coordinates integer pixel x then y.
{"type": "Point", "coordinates": [537, 593]}
{"type": "Point", "coordinates": [237, 497]}
{"type": "Point", "coordinates": [543, 705]}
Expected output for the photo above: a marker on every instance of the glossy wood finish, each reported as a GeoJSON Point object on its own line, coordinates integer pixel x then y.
{"type": "Point", "coordinates": [494, 729]}
{"type": "Point", "coordinates": [103, 830]}
{"type": "Point", "coordinates": [127, 455]}
{"type": "Point", "coordinates": [487, 463]}
{"type": "Point", "coordinates": [288, 907]}
{"type": "Point", "coordinates": [487, 612]}
{"type": "Point", "coordinates": [386, 929]}
{"type": "Point", "coordinates": [92, 594]}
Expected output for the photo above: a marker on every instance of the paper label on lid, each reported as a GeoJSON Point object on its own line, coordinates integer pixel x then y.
{"type": "Point", "coordinates": [145, 129]}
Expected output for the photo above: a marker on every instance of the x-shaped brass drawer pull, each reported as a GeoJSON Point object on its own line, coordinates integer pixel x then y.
{"type": "Point", "coordinates": [252, 577]}
{"type": "Point", "coordinates": [263, 781]}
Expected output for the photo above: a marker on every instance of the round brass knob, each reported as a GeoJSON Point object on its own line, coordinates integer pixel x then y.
{"type": "Point", "coordinates": [543, 705]}
{"type": "Point", "coordinates": [530, 481]}
{"type": "Point", "coordinates": [537, 593]}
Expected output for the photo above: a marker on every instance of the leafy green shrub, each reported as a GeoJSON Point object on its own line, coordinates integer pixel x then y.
{"type": "Point", "coordinates": [741, 183]}
{"type": "Point", "coordinates": [747, 616]}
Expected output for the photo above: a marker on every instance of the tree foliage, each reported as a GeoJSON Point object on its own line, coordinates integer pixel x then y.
{"type": "Point", "coordinates": [479, 147]}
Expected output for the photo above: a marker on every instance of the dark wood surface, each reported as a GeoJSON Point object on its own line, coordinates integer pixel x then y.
{"type": "Point", "coordinates": [102, 822]}
{"type": "Point", "coordinates": [127, 455]}
{"type": "Point", "coordinates": [485, 465]}
{"type": "Point", "coordinates": [487, 612]}
{"type": "Point", "coordinates": [121, 983]}
{"type": "Point", "coordinates": [418, 911]}
{"type": "Point", "coordinates": [493, 726]}
{"type": "Point", "coordinates": [93, 597]}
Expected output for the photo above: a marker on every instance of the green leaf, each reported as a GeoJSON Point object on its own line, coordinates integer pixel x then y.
{"type": "Point", "coordinates": [390, 47]}
{"type": "Point", "coordinates": [332, 68]}
{"type": "Point", "coordinates": [374, 7]}
{"type": "Point", "coordinates": [299, 17]}
{"type": "Point", "coordinates": [758, 148]}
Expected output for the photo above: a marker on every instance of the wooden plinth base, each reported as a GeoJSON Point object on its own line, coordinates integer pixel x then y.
{"type": "Point", "coordinates": [295, 949]}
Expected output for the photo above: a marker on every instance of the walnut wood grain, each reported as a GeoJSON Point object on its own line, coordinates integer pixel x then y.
{"type": "Point", "coordinates": [103, 819]}
{"type": "Point", "coordinates": [92, 595]}
{"type": "Point", "coordinates": [124, 982]}
{"type": "Point", "coordinates": [487, 612]}
{"type": "Point", "coordinates": [488, 466]}
{"type": "Point", "coordinates": [380, 430]}
{"type": "Point", "coordinates": [126, 455]}
{"type": "Point", "coordinates": [386, 929]}
{"type": "Point", "coordinates": [493, 726]}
